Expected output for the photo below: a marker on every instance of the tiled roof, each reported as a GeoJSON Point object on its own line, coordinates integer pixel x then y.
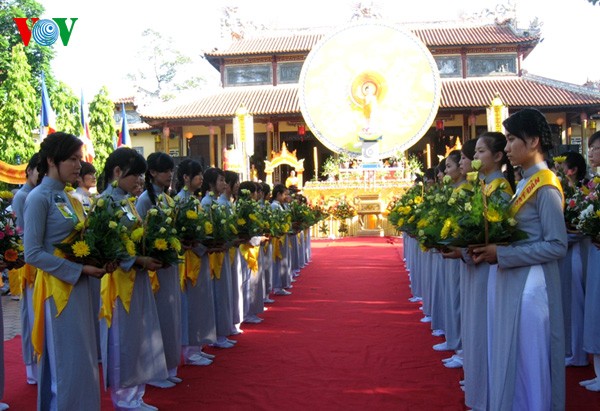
{"type": "Point", "coordinates": [434, 36]}
{"type": "Point", "coordinates": [138, 126]}
{"type": "Point", "coordinates": [125, 100]}
{"type": "Point", "coordinates": [259, 100]}
{"type": "Point", "coordinates": [527, 91]}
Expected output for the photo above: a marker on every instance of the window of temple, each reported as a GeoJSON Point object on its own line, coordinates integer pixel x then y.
{"type": "Point", "coordinates": [449, 66]}
{"type": "Point", "coordinates": [248, 75]}
{"type": "Point", "coordinates": [486, 65]}
{"type": "Point", "coordinates": [289, 72]}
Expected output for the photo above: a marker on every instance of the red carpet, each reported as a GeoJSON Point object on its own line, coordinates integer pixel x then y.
{"type": "Point", "coordinates": [346, 339]}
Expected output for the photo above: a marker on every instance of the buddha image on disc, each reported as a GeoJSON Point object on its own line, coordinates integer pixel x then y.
{"type": "Point", "coordinates": [369, 81]}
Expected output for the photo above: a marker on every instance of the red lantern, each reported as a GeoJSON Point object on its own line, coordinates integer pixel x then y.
{"type": "Point", "coordinates": [301, 129]}
{"type": "Point", "coordinates": [439, 125]}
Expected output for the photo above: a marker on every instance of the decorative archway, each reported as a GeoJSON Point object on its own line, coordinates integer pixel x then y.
{"type": "Point", "coordinates": [284, 157]}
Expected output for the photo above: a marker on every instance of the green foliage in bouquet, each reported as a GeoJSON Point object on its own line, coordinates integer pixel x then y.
{"type": "Point", "coordinates": [248, 219]}
{"type": "Point", "coordinates": [102, 238]}
{"type": "Point", "coordinates": [301, 216]}
{"type": "Point", "coordinates": [280, 221]}
{"type": "Point", "coordinates": [160, 238]}
{"type": "Point", "coordinates": [221, 226]}
{"type": "Point", "coordinates": [589, 217]}
{"type": "Point", "coordinates": [571, 193]}
{"type": "Point", "coordinates": [11, 246]}
{"type": "Point", "coordinates": [477, 218]}
{"type": "Point", "coordinates": [190, 221]}
{"type": "Point", "coordinates": [403, 212]}
{"type": "Point", "coordinates": [432, 213]}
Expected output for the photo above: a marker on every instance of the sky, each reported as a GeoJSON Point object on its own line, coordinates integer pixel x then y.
{"type": "Point", "coordinates": [106, 39]}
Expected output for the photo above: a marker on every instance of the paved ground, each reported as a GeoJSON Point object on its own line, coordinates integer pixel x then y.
{"type": "Point", "coordinates": [11, 311]}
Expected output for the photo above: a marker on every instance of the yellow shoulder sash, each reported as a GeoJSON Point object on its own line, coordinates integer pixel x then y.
{"type": "Point", "coordinates": [541, 178]}
{"type": "Point", "coordinates": [493, 186]}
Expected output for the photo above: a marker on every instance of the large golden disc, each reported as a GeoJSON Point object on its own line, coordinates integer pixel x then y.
{"type": "Point", "coordinates": [368, 80]}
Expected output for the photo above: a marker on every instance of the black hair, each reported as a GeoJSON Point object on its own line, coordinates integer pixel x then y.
{"type": "Point", "coordinates": [57, 147]}
{"type": "Point", "coordinates": [496, 143]}
{"type": "Point", "coordinates": [33, 163]}
{"type": "Point", "coordinates": [277, 189]}
{"type": "Point", "coordinates": [429, 174]}
{"type": "Point", "coordinates": [592, 139]}
{"type": "Point", "coordinates": [187, 167]}
{"type": "Point", "coordinates": [468, 148]}
{"type": "Point", "coordinates": [248, 185]}
{"type": "Point", "coordinates": [573, 160]}
{"type": "Point", "coordinates": [266, 189]}
{"type": "Point", "coordinates": [231, 178]}
{"type": "Point", "coordinates": [454, 156]}
{"type": "Point", "coordinates": [159, 162]}
{"type": "Point", "coordinates": [86, 168]}
{"type": "Point", "coordinates": [127, 159]}
{"type": "Point", "coordinates": [529, 123]}
{"type": "Point", "coordinates": [210, 179]}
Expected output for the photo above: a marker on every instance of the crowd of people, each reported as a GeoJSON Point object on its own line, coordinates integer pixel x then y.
{"type": "Point", "coordinates": [140, 319]}
{"type": "Point", "coordinates": [513, 316]}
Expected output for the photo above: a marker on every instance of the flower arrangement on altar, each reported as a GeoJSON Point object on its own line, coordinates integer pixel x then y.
{"type": "Point", "coordinates": [101, 238]}
{"type": "Point", "coordinates": [11, 246]}
{"type": "Point", "coordinates": [159, 237]}
{"type": "Point", "coordinates": [479, 216]}
{"type": "Point", "coordinates": [342, 211]}
{"type": "Point", "coordinates": [190, 221]}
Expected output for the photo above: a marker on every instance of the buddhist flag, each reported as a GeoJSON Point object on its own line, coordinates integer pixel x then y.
{"type": "Point", "coordinates": [47, 115]}
{"type": "Point", "coordinates": [124, 139]}
{"type": "Point", "coordinates": [84, 133]}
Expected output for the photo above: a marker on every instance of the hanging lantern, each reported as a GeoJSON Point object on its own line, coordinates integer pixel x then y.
{"type": "Point", "coordinates": [439, 125]}
{"type": "Point", "coordinates": [301, 130]}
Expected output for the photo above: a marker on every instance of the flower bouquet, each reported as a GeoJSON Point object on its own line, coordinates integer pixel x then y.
{"type": "Point", "coordinates": [342, 211]}
{"type": "Point", "coordinates": [159, 237]}
{"type": "Point", "coordinates": [101, 238]}
{"type": "Point", "coordinates": [403, 213]}
{"type": "Point", "coordinates": [588, 221]}
{"type": "Point", "coordinates": [190, 221]}
{"type": "Point", "coordinates": [479, 217]}
{"type": "Point", "coordinates": [432, 213]}
{"type": "Point", "coordinates": [11, 245]}
{"type": "Point", "coordinates": [249, 222]}
{"type": "Point", "coordinates": [573, 195]}
{"type": "Point", "coordinates": [220, 227]}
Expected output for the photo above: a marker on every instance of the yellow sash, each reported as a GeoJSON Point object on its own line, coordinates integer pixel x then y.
{"type": "Point", "coordinates": [189, 269]}
{"type": "Point", "coordinates": [215, 262]}
{"type": "Point", "coordinates": [250, 254]}
{"type": "Point", "coordinates": [493, 186]}
{"type": "Point", "coordinates": [118, 284]}
{"type": "Point", "coordinates": [465, 185]}
{"type": "Point", "coordinates": [232, 252]}
{"type": "Point", "coordinates": [541, 178]}
{"type": "Point", "coordinates": [277, 243]}
{"type": "Point", "coordinates": [47, 285]}
{"type": "Point", "coordinates": [154, 281]}
{"type": "Point", "coordinates": [27, 276]}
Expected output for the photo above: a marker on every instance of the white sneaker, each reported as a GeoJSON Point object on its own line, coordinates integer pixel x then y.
{"type": "Point", "coordinates": [148, 407]}
{"type": "Point", "coordinates": [223, 344]}
{"type": "Point", "coordinates": [588, 382]}
{"type": "Point", "coordinates": [441, 346]}
{"type": "Point", "coordinates": [426, 319]}
{"type": "Point", "coordinates": [455, 363]}
{"type": "Point", "coordinates": [207, 355]}
{"type": "Point", "coordinates": [3, 406]}
{"type": "Point", "coordinates": [437, 333]}
{"type": "Point", "coordinates": [268, 301]}
{"type": "Point", "coordinates": [175, 379]}
{"type": "Point", "coordinates": [197, 359]}
{"type": "Point", "coordinates": [253, 319]}
{"type": "Point", "coordinates": [282, 292]}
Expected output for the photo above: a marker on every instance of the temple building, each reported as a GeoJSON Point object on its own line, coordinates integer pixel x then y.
{"type": "Point", "coordinates": [476, 63]}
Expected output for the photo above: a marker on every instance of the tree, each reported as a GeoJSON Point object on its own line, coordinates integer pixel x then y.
{"type": "Point", "coordinates": [38, 57]}
{"type": "Point", "coordinates": [162, 70]}
{"type": "Point", "coordinates": [18, 114]}
{"type": "Point", "coordinates": [102, 126]}
{"type": "Point", "coordinates": [66, 106]}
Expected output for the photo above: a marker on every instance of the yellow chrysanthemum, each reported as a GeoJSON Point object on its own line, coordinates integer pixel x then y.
{"type": "Point", "coordinates": [596, 180]}
{"type": "Point", "coordinates": [161, 244]}
{"type": "Point", "coordinates": [100, 203]}
{"type": "Point", "coordinates": [112, 225]}
{"type": "Point", "coordinates": [208, 227]}
{"type": "Point", "coordinates": [241, 221]}
{"type": "Point", "coordinates": [253, 217]}
{"type": "Point", "coordinates": [175, 244]}
{"type": "Point", "coordinates": [422, 223]}
{"type": "Point", "coordinates": [411, 219]}
{"type": "Point", "coordinates": [6, 195]}
{"type": "Point", "coordinates": [191, 215]}
{"type": "Point", "coordinates": [137, 234]}
{"type": "Point", "coordinates": [80, 249]}
{"type": "Point", "coordinates": [130, 247]}
{"type": "Point", "coordinates": [598, 213]}
{"type": "Point", "coordinates": [560, 159]}
{"type": "Point", "coordinates": [446, 229]}
{"type": "Point", "coordinates": [418, 200]}
{"type": "Point", "coordinates": [400, 222]}
{"type": "Point", "coordinates": [493, 216]}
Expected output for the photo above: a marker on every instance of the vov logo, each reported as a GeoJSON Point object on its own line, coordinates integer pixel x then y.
{"type": "Point", "coordinates": [45, 32]}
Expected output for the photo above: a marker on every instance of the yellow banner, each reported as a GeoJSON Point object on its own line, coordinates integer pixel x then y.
{"type": "Point", "coordinates": [12, 174]}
